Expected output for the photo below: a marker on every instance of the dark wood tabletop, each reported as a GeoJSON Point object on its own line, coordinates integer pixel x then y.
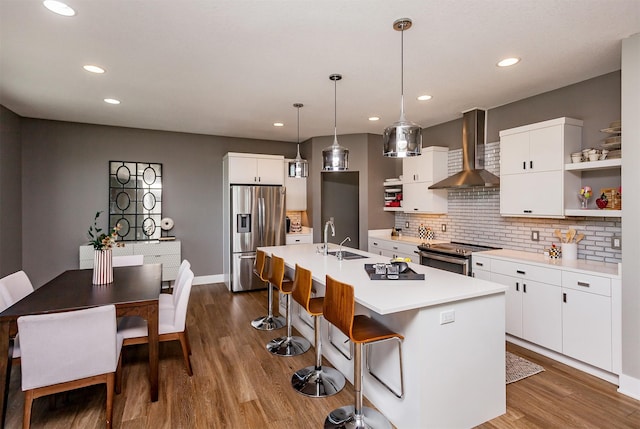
{"type": "Point", "coordinates": [134, 291]}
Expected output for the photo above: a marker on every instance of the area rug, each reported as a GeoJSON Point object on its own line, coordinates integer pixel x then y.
{"type": "Point", "coordinates": [519, 368]}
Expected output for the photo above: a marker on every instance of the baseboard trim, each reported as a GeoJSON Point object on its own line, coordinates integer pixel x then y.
{"type": "Point", "coordinates": [204, 280]}
{"type": "Point", "coordinates": [629, 386]}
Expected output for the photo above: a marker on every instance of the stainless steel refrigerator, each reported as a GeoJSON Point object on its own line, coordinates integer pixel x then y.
{"type": "Point", "coordinates": [257, 219]}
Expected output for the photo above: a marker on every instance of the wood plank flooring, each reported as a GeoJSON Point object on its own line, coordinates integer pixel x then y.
{"type": "Point", "coordinates": [238, 384]}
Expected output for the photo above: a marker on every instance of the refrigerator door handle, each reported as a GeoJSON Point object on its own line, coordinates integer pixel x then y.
{"type": "Point", "coordinates": [261, 210]}
{"type": "Point", "coordinates": [247, 257]}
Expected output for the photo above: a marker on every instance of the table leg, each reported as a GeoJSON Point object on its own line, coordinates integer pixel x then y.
{"type": "Point", "coordinates": [5, 369]}
{"type": "Point", "coordinates": [152, 325]}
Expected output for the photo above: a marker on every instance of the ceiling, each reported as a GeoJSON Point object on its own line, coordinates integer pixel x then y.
{"type": "Point", "coordinates": [234, 67]}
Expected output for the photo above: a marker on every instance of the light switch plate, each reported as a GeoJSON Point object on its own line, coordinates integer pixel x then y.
{"type": "Point", "coordinates": [406, 224]}
{"type": "Point", "coordinates": [616, 242]}
{"type": "Point", "coordinates": [535, 235]}
{"type": "Point", "coordinates": [444, 227]}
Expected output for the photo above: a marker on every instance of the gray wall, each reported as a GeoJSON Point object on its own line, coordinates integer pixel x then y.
{"type": "Point", "coordinates": [65, 182]}
{"type": "Point", "coordinates": [10, 193]}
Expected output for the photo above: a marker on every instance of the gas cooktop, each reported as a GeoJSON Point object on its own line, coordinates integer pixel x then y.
{"type": "Point", "coordinates": [454, 248]}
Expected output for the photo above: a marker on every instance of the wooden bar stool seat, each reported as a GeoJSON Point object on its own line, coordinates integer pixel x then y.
{"type": "Point", "coordinates": [314, 381]}
{"type": "Point", "coordinates": [268, 322]}
{"type": "Point", "coordinates": [289, 345]}
{"type": "Point", "coordinates": [339, 310]}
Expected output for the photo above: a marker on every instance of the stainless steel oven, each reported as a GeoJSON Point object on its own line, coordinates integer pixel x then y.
{"type": "Point", "coordinates": [454, 257]}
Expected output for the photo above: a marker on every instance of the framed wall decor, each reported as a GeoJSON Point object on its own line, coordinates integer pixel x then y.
{"type": "Point", "coordinates": [135, 199]}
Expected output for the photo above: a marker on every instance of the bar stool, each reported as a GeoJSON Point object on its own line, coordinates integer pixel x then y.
{"type": "Point", "coordinates": [286, 346]}
{"type": "Point", "coordinates": [314, 381]}
{"type": "Point", "coordinates": [268, 322]}
{"type": "Point", "coordinates": [339, 310]}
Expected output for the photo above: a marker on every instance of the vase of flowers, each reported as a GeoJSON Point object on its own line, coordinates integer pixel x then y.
{"type": "Point", "coordinates": [102, 259]}
{"type": "Point", "coordinates": [585, 194]}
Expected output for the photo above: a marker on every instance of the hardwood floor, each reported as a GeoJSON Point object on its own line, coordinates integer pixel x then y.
{"type": "Point", "coordinates": [238, 384]}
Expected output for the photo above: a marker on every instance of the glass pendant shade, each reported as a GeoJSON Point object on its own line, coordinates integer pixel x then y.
{"type": "Point", "coordinates": [335, 157]}
{"type": "Point", "coordinates": [402, 138]}
{"type": "Point", "coordinates": [298, 168]}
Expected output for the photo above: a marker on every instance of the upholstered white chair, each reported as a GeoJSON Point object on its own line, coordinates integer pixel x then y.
{"type": "Point", "coordinates": [14, 287]}
{"type": "Point", "coordinates": [127, 260]}
{"type": "Point", "coordinates": [16, 341]}
{"type": "Point", "coordinates": [65, 351]}
{"type": "Point", "coordinates": [171, 322]}
{"type": "Point", "coordinates": [168, 299]}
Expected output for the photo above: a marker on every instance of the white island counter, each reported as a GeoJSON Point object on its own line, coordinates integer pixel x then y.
{"type": "Point", "coordinates": [454, 370]}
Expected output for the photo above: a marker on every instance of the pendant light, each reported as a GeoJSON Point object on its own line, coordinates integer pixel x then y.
{"type": "Point", "coordinates": [402, 138]}
{"type": "Point", "coordinates": [335, 157]}
{"type": "Point", "coordinates": [298, 168]}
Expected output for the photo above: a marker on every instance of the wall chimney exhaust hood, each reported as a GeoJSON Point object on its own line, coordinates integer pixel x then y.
{"type": "Point", "coordinates": [473, 172]}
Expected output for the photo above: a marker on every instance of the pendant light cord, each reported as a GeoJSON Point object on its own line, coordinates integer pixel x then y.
{"type": "Point", "coordinates": [335, 112]}
{"type": "Point", "coordinates": [298, 156]}
{"type": "Point", "coordinates": [402, 73]}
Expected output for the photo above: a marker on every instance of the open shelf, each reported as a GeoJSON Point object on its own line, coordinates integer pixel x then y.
{"type": "Point", "coordinates": [593, 212]}
{"type": "Point", "coordinates": [605, 164]}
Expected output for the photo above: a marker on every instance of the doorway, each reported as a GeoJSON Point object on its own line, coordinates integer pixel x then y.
{"type": "Point", "coordinates": [340, 200]}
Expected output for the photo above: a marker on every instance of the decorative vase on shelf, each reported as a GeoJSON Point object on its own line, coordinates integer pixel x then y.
{"type": "Point", "coordinates": [102, 267]}
{"type": "Point", "coordinates": [422, 232]}
{"type": "Point", "coordinates": [584, 195]}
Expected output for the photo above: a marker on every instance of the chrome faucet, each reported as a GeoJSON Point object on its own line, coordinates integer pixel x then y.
{"type": "Point", "coordinates": [339, 254]}
{"type": "Point", "coordinates": [328, 224]}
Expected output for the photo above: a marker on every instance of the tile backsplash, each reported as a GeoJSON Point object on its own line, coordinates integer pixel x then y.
{"type": "Point", "coordinates": [474, 217]}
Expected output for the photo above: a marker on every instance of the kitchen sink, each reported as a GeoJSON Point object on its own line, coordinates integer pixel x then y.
{"type": "Point", "coordinates": [348, 255]}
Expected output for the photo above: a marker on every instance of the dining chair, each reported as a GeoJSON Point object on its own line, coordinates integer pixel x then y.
{"type": "Point", "coordinates": [69, 350]}
{"type": "Point", "coordinates": [14, 287]}
{"type": "Point", "coordinates": [171, 323]}
{"type": "Point", "coordinates": [168, 299]}
{"type": "Point", "coordinates": [127, 260]}
{"type": "Point", "coordinates": [15, 352]}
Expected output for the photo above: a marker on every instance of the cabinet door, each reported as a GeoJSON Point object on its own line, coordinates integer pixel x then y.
{"type": "Point", "coordinates": [586, 328]}
{"type": "Point", "coordinates": [412, 169]}
{"type": "Point", "coordinates": [513, 303]}
{"type": "Point", "coordinates": [542, 314]}
{"type": "Point", "coordinates": [418, 198]}
{"type": "Point", "coordinates": [270, 171]}
{"type": "Point", "coordinates": [532, 194]}
{"type": "Point", "coordinates": [482, 274]}
{"type": "Point", "coordinates": [242, 170]}
{"type": "Point", "coordinates": [514, 154]}
{"type": "Point", "coordinates": [546, 149]}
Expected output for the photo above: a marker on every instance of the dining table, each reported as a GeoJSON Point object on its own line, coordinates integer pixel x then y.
{"type": "Point", "coordinates": [134, 292]}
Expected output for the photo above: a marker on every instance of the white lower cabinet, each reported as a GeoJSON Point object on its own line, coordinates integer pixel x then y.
{"type": "Point", "coordinates": [299, 238]}
{"type": "Point", "coordinates": [394, 249]}
{"type": "Point", "coordinates": [570, 312]}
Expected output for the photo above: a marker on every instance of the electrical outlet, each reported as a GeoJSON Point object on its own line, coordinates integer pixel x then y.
{"type": "Point", "coordinates": [406, 224]}
{"type": "Point", "coordinates": [447, 317]}
{"type": "Point", "coordinates": [616, 243]}
{"type": "Point", "coordinates": [444, 227]}
{"type": "Point", "coordinates": [535, 235]}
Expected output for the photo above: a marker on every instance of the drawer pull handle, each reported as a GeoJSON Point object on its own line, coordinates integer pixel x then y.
{"type": "Point", "coordinates": [520, 272]}
{"type": "Point", "coordinates": [524, 165]}
{"type": "Point", "coordinates": [375, 243]}
{"type": "Point", "coordinates": [564, 297]}
{"type": "Point", "coordinates": [524, 287]}
{"type": "Point", "coordinates": [585, 284]}
{"type": "Point", "coordinates": [528, 211]}
{"type": "Point", "coordinates": [480, 264]}
{"type": "Point", "coordinates": [517, 287]}
{"type": "Point", "coordinates": [395, 248]}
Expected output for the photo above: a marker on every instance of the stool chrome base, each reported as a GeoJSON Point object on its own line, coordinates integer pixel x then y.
{"type": "Point", "coordinates": [317, 383]}
{"type": "Point", "coordinates": [268, 323]}
{"type": "Point", "coordinates": [344, 418]}
{"type": "Point", "coordinates": [288, 346]}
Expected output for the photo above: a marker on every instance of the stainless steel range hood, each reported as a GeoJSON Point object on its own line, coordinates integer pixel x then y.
{"type": "Point", "coordinates": [473, 172]}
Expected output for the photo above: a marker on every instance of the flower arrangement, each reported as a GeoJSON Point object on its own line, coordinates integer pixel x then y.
{"type": "Point", "coordinates": [102, 241]}
{"type": "Point", "coordinates": [585, 194]}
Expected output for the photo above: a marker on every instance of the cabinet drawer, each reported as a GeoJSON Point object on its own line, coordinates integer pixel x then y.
{"type": "Point", "coordinates": [298, 238]}
{"type": "Point", "coordinates": [165, 260]}
{"type": "Point", "coordinates": [156, 248]}
{"type": "Point", "coordinates": [586, 283]}
{"type": "Point", "coordinates": [528, 272]}
{"type": "Point", "coordinates": [480, 263]}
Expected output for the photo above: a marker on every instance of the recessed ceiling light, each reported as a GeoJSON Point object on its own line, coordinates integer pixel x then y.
{"type": "Point", "coordinates": [111, 101]}
{"type": "Point", "coordinates": [424, 97]}
{"type": "Point", "coordinates": [278, 124]}
{"type": "Point", "coordinates": [508, 62]}
{"type": "Point", "coordinates": [58, 7]}
{"type": "Point", "coordinates": [93, 69]}
{"type": "Point", "coordinates": [374, 118]}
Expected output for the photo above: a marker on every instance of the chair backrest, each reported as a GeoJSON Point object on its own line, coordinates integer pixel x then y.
{"type": "Point", "coordinates": [258, 268]}
{"type": "Point", "coordinates": [339, 306]}
{"type": "Point", "coordinates": [302, 285]}
{"type": "Point", "coordinates": [276, 271]}
{"type": "Point", "coordinates": [180, 308]}
{"type": "Point", "coordinates": [60, 347]}
{"type": "Point", "coordinates": [14, 287]}
{"type": "Point", "coordinates": [127, 260]}
{"type": "Point", "coordinates": [180, 279]}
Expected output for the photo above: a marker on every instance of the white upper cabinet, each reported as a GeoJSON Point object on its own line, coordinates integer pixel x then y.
{"type": "Point", "coordinates": [420, 172]}
{"type": "Point", "coordinates": [532, 175]}
{"type": "Point", "coordinates": [296, 190]}
{"type": "Point", "coordinates": [254, 169]}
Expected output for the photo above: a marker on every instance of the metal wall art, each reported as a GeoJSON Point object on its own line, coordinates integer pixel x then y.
{"type": "Point", "coordinates": [135, 199]}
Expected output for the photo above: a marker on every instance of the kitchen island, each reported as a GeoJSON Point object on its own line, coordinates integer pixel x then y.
{"type": "Point", "coordinates": [454, 347]}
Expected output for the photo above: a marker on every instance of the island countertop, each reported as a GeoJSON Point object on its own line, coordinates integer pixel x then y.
{"type": "Point", "coordinates": [385, 296]}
